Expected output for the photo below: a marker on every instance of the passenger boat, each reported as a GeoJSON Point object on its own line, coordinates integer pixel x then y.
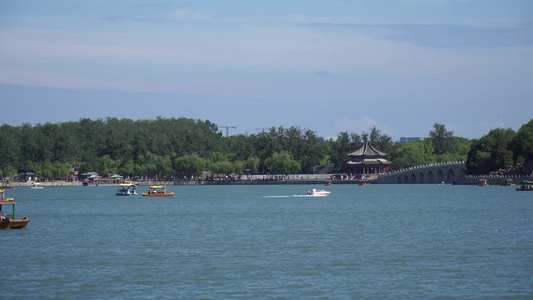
{"type": "Point", "coordinates": [483, 182]}
{"type": "Point", "coordinates": [158, 191]}
{"type": "Point", "coordinates": [526, 186]}
{"type": "Point", "coordinates": [10, 222]}
{"type": "Point", "coordinates": [126, 189]}
{"type": "Point", "coordinates": [36, 186]}
{"type": "Point", "coordinates": [318, 193]}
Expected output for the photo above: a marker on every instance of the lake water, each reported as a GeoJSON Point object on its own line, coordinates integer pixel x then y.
{"type": "Point", "coordinates": [265, 242]}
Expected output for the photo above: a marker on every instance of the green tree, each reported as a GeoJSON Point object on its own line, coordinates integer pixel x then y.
{"type": "Point", "coordinates": [108, 165]}
{"type": "Point", "coordinates": [522, 144]}
{"type": "Point", "coordinates": [381, 141]}
{"type": "Point", "coordinates": [311, 153]}
{"type": "Point", "coordinates": [222, 167]}
{"type": "Point", "coordinates": [9, 171]}
{"type": "Point", "coordinates": [190, 165]}
{"type": "Point", "coordinates": [491, 152]}
{"type": "Point", "coordinates": [282, 163]}
{"type": "Point", "coordinates": [10, 147]}
{"type": "Point", "coordinates": [414, 154]}
{"type": "Point", "coordinates": [344, 144]}
{"type": "Point", "coordinates": [164, 166]}
{"type": "Point", "coordinates": [440, 138]}
{"type": "Point", "coordinates": [252, 164]}
{"type": "Point", "coordinates": [239, 167]}
{"type": "Point", "coordinates": [127, 169]}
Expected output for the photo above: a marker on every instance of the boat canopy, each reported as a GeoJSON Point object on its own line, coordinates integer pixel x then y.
{"type": "Point", "coordinates": [157, 186]}
{"type": "Point", "coordinates": [127, 184]}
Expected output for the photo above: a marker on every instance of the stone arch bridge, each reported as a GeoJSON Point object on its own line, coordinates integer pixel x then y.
{"type": "Point", "coordinates": [432, 173]}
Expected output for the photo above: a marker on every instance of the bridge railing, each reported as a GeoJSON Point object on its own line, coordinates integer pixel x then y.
{"type": "Point", "coordinates": [427, 166]}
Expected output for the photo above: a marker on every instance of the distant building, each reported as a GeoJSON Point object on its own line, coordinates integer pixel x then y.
{"type": "Point", "coordinates": [405, 140]}
{"type": "Point", "coordinates": [367, 160]}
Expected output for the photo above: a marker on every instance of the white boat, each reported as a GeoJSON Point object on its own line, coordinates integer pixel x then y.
{"type": "Point", "coordinates": [36, 186]}
{"type": "Point", "coordinates": [318, 193]}
{"type": "Point", "coordinates": [126, 189]}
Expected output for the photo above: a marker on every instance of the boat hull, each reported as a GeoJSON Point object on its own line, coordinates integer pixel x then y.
{"type": "Point", "coordinates": [159, 195]}
{"type": "Point", "coordinates": [14, 224]}
{"type": "Point", "coordinates": [318, 193]}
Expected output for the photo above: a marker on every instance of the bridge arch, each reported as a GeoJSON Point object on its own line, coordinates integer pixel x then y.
{"type": "Point", "coordinates": [450, 175]}
{"type": "Point", "coordinates": [440, 175]}
{"type": "Point", "coordinates": [405, 179]}
{"type": "Point", "coordinates": [413, 178]}
{"type": "Point", "coordinates": [430, 176]}
{"type": "Point", "coordinates": [421, 177]}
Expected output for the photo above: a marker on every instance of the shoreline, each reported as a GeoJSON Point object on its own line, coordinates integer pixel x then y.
{"type": "Point", "coordinates": [462, 181]}
{"type": "Point", "coordinates": [187, 183]}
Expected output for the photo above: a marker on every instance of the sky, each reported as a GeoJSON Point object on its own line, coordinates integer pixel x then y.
{"type": "Point", "coordinates": [329, 66]}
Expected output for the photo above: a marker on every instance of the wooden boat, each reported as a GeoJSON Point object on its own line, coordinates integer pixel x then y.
{"type": "Point", "coordinates": [483, 182]}
{"type": "Point", "coordinates": [158, 191]}
{"type": "Point", "coordinates": [10, 222]}
{"type": "Point", "coordinates": [328, 183]}
{"type": "Point", "coordinates": [526, 186]}
{"type": "Point", "coordinates": [126, 189]}
{"type": "Point", "coordinates": [363, 184]}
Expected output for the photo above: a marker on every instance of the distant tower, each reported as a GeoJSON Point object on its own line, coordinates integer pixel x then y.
{"type": "Point", "coordinates": [227, 129]}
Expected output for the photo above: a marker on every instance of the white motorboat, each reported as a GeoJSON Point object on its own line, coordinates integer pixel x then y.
{"type": "Point", "coordinates": [318, 193]}
{"type": "Point", "coordinates": [36, 186]}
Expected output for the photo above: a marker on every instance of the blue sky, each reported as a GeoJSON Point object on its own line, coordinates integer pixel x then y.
{"type": "Point", "coordinates": [330, 66]}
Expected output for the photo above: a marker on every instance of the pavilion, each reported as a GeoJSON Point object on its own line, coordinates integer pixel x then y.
{"type": "Point", "coordinates": [366, 161]}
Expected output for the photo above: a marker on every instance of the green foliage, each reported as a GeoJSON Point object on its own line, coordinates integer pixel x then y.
{"type": "Point", "coordinates": [414, 154]}
{"type": "Point", "coordinates": [190, 165]}
{"type": "Point", "coordinates": [221, 167]}
{"type": "Point", "coordinates": [339, 149]}
{"type": "Point", "coordinates": [9, 171]}
{"type": "Point", "coordinates": [441, 147]}
{"type": "Point", "coordinates": [282, 163]}
{"type": "Point", "coordinates": [164, 148]}
{"type": "Point", "coordinates": [252, 164]}
{"type": "Point", "coordinates": [491, 152]}
{"type": "Point", "coordinates": [522, 144]}
{"type": "Point", "coordinates": [304, 145]}
{"type": "Point", "coordinates": [239, 167]}
{"type": "Point", "coordinates": [47, 169]}
{"type": "Point", "coordinates": [440, 138]}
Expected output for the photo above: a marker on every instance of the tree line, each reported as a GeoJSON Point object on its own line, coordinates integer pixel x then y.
{"type": "Point", "coordinates": [182, 147]}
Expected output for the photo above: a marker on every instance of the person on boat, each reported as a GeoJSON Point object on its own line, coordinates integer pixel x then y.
{"type": "Point", "coordinates": [2, 216]}
{"type": "Point", "coordinates": [314, 190]}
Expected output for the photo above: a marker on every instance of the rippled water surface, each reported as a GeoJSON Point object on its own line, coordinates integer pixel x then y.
{"type": "Point", "coordinates": [262, 242]}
